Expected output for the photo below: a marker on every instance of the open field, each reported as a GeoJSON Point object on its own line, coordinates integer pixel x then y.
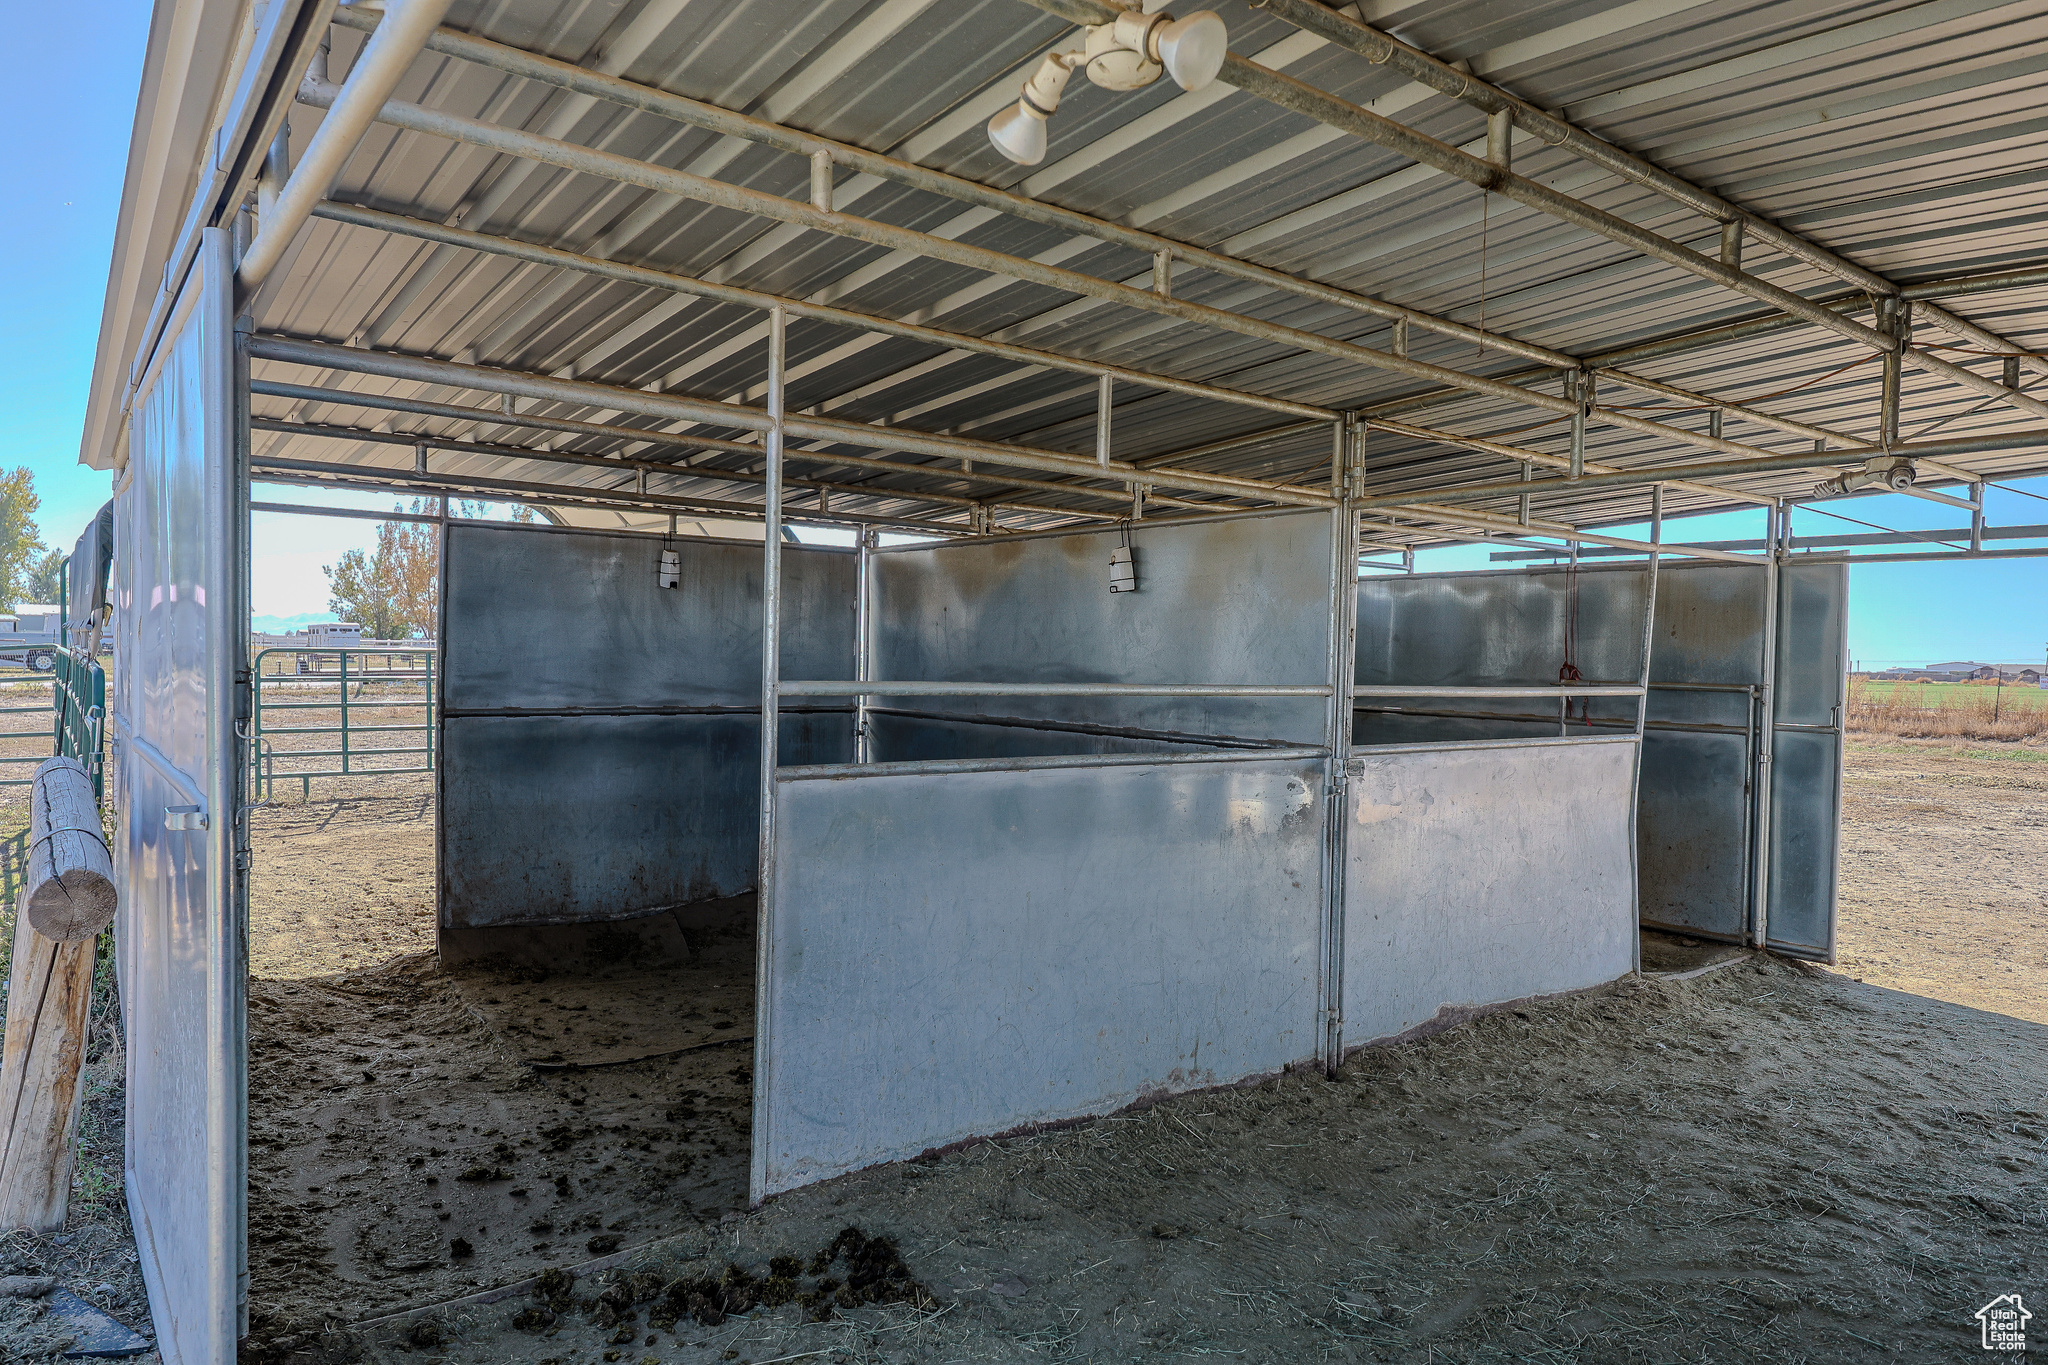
{"type": "Point", "coordinates": [1763, 1163]}
{"type": "Point", "coordinates": [1947, 710]}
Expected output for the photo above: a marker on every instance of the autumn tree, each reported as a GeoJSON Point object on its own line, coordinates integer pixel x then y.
{"type": "Point", "coordinates": [20, 543]}
{"type": "Point", "coordinates": [393, 591]}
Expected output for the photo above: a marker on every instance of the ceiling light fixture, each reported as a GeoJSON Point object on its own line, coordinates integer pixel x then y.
{"type": "Point", "coordinates": [1127, 54]}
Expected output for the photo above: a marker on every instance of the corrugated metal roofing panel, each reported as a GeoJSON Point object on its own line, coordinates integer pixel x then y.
{"type": "Point", "coordinates": [1901, 134]}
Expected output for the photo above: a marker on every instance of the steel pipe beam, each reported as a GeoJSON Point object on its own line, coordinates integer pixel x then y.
{"type": "Point", "coordinates": [1299, 97]}
{"type": "Point", "coordinates": [798, 308]}
{"type": "Point", "coordinates": [1487, 521]}
{"type": "Point", "coordinates": [1669, 474]}
{"type": "Point", "coordinates": [348, 398]}
{"type": "Point", "coordinates": [1550, 461]}
{"type": "Point", "coordinates": [579, 496]}
{"type": "Point", "coordinates": [648, 436]}
{"type": "Point", "coordinates": [796, 142]}
{"type": "Point", "coordinates": [670, 407]}
{"type": "Point", "coordinates": [706, 473]}
{"type": "Point", "coordinates": [570, 156]}
{"type": "Point", "coordinates": [401, 34]}
{"type": "Point", "coordinates": [875, 688]}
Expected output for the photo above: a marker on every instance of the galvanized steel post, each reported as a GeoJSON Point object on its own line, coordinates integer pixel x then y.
{"type": "Point", "coordinates": [863, 641]}
{"type": "Point", "coordinates": [1760, 895]}
{"type": "Point", "coordinates": [1643, 706]}
{"type": "Point", "coordinates": [1337, 731]}
{"type": "Point", "coordinates": [771, 674]}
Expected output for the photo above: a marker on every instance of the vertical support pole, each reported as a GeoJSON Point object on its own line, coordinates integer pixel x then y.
{"type": "Point", "coordinates": [1760, 896]}
{"type": "Point", "coordinates": [344, 710]}
{"type": "Point", "coordinates": [1731, 244]}
{"type": "Point", "coordinates": [1714, 423]}
{"type": "Point", "coordinates": [1337, 738]}
{"type": "Point", "coordinates": [863, 640]}
{"type": "Point", "coordinates": [1102, 406]}
{"type": "Point", "coordinates": [1407, 559]}
{"type": "Point", "coordinates": [2009, 372]}
{"type": "Point", "coordinates": [429, 711]}
{"type": "Point", "coordinates": [1500, 138]}
{"type": "Point", "coordinates": [771, 688]}
{"type": "Point", "coordinates": [1894, 319]}
{"type": "Point", "coordinates": [1162, 274]}
{"type": "Point", "coordinates": [1522, 509]}
{"type": "Point", "coordinates": [821, 180]}
{"type": "Point", "coordinates": [1400, 342]}
{"type": "Point", "coordinates": [1643, 702]}
{"type": "Point", "coordinates": [1977, 516]}
{"type": "Point", "coordinates": [1579, 387]}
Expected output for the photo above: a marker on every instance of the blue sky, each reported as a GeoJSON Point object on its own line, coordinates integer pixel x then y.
{"type": "Point", "coordinates": [74, 104]}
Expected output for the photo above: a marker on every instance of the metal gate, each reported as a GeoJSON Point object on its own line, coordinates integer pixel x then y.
{"type": "Point", "coordinates": [1747, 677]}
{"type": "Point", "coordinates": [180, 936]}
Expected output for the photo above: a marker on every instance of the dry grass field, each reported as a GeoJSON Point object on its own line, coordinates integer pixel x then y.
{"type": "Point", "coordinates": [1763, 1163]}
{"type": "Point", "coordinates": [1976, 710]}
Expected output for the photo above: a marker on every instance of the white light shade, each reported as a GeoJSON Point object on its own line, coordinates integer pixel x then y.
{"type": "Point", "coordinates": [1192, 49]}
{"type": "Point", "coordinates": [1018, 134]}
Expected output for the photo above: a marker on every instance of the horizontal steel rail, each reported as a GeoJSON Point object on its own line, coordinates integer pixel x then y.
{"type": "Point", "coordinates": [839, 772]}
{"type": "Point", "coordinates": [1478, 690]}
{"type": "Point", "coordinates": [1665, 474]}
{"type": "Point", "coordinates": [670, 407]}
{"type": "Point", "coordinates": [1297, 96]}
{"type": "Point", "coordinates": [667, 470]}
{"type": "Point", "coordinates": [264, 752]}
{"type": "Point", "coordinates": [797, 142]}
{"type": "Point", "coordinates": [655, 437]}
{"type": "Point", "coordinates": [532, 254]}
{"type": "Point", "coordinates": [682, 184]}
{"type": "Point", "coordinates": [810, 687]}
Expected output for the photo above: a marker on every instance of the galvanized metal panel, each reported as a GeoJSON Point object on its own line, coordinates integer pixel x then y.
{"type": "Point", "coordinates": [547, 620]}
{"type": "Point", "coordinates": [179, 936]}
{"type": "Point", "coordinates": [1693, 828]}
{"type": "Point", "coordinates": [962, 954]}
{"type": "Point", "coordinates": [1482, 874]}
{"type": "Point", "coordinates": [562, 813]}
{"type": "Point", "coordinates": [567, 819]}
{"type": "Point", "coordinates": [1239, 601]}
{"type": "Point", "coordinates": [1806, 767]}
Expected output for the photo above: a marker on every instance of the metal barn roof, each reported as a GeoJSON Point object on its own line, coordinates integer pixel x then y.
{"type": "Point", "coordinates": [1873, 152]}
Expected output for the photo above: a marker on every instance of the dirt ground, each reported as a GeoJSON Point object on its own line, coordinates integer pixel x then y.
{"type": "Point", "coordinates": [1945, 872]}
{"type": "Point", "coordinates": [1766, 1162]}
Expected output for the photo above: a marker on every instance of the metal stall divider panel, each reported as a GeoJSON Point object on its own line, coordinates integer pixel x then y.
{"type": "Point", "coordinates": [968, 946]}
{"type": "Point", "coordinates": [1244, 600]}
{"type": "Point", "coordinates": [1702, 747]}
{"type": "Point", "coordinates": [1485, 872]}
{"type": "Point", "coordinates": [600, 733]}
{"type": "Point", "coordinates": [1696, 815]}
{"type": "Point", "coordinates": [1806, 765]}
{"type": "Point", "coordinates": [964, 954]}
{"type": "Point", "coordinates": [179, 936]}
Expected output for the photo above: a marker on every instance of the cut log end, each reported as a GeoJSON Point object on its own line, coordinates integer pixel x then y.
{"type": "Point", "coordinates": [75, 905]}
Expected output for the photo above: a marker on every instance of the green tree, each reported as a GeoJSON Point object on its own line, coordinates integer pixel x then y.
{"type": "Point", "coordinates": [46, 579]}
{"type": "Point", "coordinates": [20, 543]}
{"type": "Point", "coordinates": [392, 592]}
